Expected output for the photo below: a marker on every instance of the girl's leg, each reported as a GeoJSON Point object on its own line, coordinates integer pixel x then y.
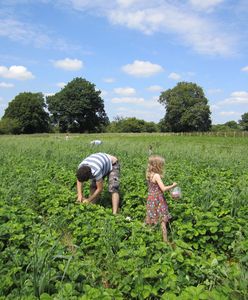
{"type": "Point", "coordinates": [164, 231]}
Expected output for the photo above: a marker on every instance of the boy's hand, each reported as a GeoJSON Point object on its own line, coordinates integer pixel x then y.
{"type": "Point", "coordinates": [174, 184]}
{"type": "Point", "coordinates": [80, 198]}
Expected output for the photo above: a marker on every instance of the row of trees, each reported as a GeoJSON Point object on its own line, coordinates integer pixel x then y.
{"type": "Point", "coordinates": [78, 107]}
{"type": "Point", "coordinates": [136, 125]}
{"type": "Point", "coordinates": [121, 124]}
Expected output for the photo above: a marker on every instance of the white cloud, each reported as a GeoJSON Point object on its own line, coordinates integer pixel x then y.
{"type": "Point", "coordinates": [6, 85]}
{"type": "Point", "coordinates": [15, 72]}
{"type": "Point", "coordinates": [152, 104]}
{"type": "Point", "coordinates": [214, 107]}
{"type": "Point", "coordinates": [174, 76]}
{"type": "Point", "coordinates": [68, 64]}
{"type": "Point", "coordinates": [109, 80]}
{"type": "Point", "coordinates": [140, 114]}
{"type": "Point", "coordinates": [49, 94]}
{"type": "Point", "coordinates": [148, 104]}
{"type": "Point", "coordinates": [155, 88]}
{"type": "Point", "coordinates": [142, 68]}
{"type": "Point", "coordinates": [126, 3]}
{"type": "Point", "coordinates": [203, 35]}
{"type": "Point", "coordinates": [34, 34]}
{"type": "Point", "coordinates": [130, 100]}
{"type": "Point", "coordinates": [239, 97]}
{"type": "Point", "coordinates": [229, 113]}
{"type": "Point", "coordinates": [21, 32]}
{"type": "Point", "coordinates": [180, 20]}
{"type": "Point", "coordinates": [206, 4]}
{"type": "Point", "coordinates": [245, 69]}
{"type": "Point", "coordinates": [61, 84]}
{"type": "Point", "coordinates": [125, 91]}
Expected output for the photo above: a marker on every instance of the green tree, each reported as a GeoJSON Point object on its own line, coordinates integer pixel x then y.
{"type": "Point", "coordinates": [220, 127]}
{"type": "Point", "coordinates": [27, 112]}
{"type": "Point", "coordinates": [10, 126]}
{"type": "Point", "coordinates": [244, 121]}
{"type": "Point", "coordinates": [78, 107]}
{"type": "Point", "coordinates": [163, 126]}
{"type": "Point", "coordinates": [233, 125]}
{"type": "Point", "coordinates": [187, 108]}
{"type": "Point", "coordinates": [150, 127]}
{"type": "Point", "coordinates": [131, 125]}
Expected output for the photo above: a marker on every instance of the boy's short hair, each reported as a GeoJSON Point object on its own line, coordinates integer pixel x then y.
{"type": "Point", "coordinates": [83, 173]}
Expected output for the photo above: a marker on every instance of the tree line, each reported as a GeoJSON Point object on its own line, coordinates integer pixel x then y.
{"type": "Point", "coordinates": [79, 108]}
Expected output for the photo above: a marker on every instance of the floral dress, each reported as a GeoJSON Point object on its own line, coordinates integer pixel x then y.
{"type": "Point", "coordinates": [156, 207]}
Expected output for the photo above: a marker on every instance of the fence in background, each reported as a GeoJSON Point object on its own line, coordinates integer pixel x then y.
{"type": "Point", "coordinates": [210, 133]}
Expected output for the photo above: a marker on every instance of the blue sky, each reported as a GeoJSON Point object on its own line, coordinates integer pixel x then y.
{"type": "Point", "coordinates": [130, 49]}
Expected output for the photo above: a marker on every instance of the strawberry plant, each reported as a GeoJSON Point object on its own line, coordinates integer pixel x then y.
{"type": "Point", "coordinates": [54, 248]}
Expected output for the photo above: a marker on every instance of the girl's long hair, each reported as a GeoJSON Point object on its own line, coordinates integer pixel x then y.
{"type": "Point", "coordinates": [155, 165]}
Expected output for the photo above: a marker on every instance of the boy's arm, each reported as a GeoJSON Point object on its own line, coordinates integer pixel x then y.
{"type": "Point", "coordinates": [97, 192]}
{"type": "Point", "coordinates": [79, 191]}
{"type": "Point", "coordinates": [161, 184]}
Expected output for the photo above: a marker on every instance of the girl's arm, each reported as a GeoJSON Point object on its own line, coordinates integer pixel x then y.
{"type": "Point", "coordinates": [164, 188]}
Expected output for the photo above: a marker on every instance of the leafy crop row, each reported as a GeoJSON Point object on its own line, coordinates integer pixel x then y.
{"type": "Point", "coordinates": [54, 248]}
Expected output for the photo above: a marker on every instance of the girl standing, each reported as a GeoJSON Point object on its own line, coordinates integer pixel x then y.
{"type": "Point", "coordinates": [157, 207]}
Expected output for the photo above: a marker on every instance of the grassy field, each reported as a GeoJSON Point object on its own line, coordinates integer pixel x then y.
{"type": "Point", "coordinates": [54, 248]}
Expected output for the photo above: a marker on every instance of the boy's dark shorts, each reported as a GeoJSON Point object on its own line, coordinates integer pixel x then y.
{"type": "Point", "coordinates": [113, 179]}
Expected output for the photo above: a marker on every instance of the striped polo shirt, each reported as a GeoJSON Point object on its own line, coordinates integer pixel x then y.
{"type": "Point", "coordinates": [99, 163]}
